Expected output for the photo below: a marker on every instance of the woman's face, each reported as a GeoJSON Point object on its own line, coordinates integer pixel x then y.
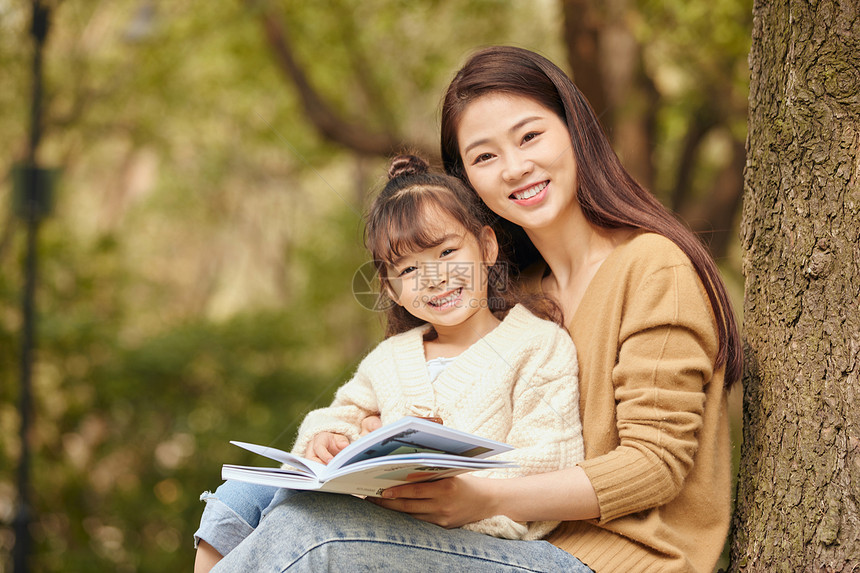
{"type": "Point", "coordinates": [518, 157]}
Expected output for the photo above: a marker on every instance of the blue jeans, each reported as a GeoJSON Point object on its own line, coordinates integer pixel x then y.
{"type": "Point", "coordinates": [312, 532]}
{"type": "Point", "coordinates": [232, 513]}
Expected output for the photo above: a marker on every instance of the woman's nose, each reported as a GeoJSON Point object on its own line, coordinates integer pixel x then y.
{"type": "Point", "coordinates": [516, 167]}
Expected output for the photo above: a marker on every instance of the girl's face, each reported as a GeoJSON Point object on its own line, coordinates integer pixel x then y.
{"type": "Point", "coordinates": [518, 157]}
{"type": "Point", "coordinates": [445, 285]}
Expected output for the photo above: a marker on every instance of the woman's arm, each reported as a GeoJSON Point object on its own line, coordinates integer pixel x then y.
{"type": "Point", "coordinates": [562, 495]}
{"type": "Point", "coordinates": [659, 396]}
{"type": "Point", "coordinates": [659, 384]}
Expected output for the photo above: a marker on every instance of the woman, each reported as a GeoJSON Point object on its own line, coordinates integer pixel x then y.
{"type": "Point", "coordinates": [657, 344]}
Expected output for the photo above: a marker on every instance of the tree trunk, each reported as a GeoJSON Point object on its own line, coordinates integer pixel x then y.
{"type": "Point", "coordinates": [582, 28]}
{"type": "Point", "coordinates": [798, 499]}
{"type": "Point", "coordinates": [607, 65]}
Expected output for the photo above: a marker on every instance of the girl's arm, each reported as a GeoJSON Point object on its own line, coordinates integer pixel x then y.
{"type": "Point", "coordinates": [325, 446]}
{"type": "Point", "coordinates": [371, 423]}
{"type": "Point", "coordinates": [353, 402]}
{"type": "Point", "coordinates": [545, 427]}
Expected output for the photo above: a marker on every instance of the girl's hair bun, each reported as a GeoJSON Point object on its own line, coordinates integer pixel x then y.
{"type": "Point", "coordinates": [406, 165]}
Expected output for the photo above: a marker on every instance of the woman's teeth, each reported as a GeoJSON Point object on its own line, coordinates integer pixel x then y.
{"type": "Point", "coordinates": [530, 192]}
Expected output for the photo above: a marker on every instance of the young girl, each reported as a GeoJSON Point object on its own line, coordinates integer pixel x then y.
{"type": "Point", "coordinates": [459, 347]}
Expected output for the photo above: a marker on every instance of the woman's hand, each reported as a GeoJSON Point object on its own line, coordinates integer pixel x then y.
{"type": "Point", "coordinates": [449, 502]}
{"type": "Point", "coordinates": [324, 446]}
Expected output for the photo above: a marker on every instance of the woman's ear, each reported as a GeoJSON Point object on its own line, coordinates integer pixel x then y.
{"type": "Point", "coordinates": [489, 245]}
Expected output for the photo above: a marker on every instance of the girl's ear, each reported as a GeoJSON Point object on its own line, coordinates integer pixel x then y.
{"type": "Point", "coordinates": [489, 245]}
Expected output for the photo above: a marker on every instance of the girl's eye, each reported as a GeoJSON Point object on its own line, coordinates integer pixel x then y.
{"type": "Point", "coordinates": [406, 271]}
{"type": "Point", "coordinates": [447, 252]}
{"type": "Point", "coordinates": [529, 136]}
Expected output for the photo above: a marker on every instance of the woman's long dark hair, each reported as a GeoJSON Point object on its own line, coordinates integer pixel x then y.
{"type": "Point", "coordinates": [398, 222]}
{"type": "Point", "coordinates": [608, 195]}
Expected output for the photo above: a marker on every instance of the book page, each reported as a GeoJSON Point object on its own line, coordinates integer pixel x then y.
{"type": "Point", "coordinates": [416, 435]}
{"type": "Point", "coordinates": [304, 465]}
{"type": "Point", "coordinates": [373, 480]}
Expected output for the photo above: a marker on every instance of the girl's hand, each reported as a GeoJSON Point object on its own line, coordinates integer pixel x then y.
{"type": "Point", "coordinates": [370, 423]}
{"type": "Point", "coordinates": [324, 446]}
{"type": "Point", "coordinates": [449, 502]}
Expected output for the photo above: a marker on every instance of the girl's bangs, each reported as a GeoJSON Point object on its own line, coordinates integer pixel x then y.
{"type": "Point", "coordinates": [409, 228]}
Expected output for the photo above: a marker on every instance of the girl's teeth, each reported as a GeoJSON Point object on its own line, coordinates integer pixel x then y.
{"type": "Point", "coordinates": [530, 192]}
{"type": "Point", "coordinates": [447, 299]}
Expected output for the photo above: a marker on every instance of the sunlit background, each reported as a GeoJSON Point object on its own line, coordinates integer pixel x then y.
{"type": "Point", "coordinates": [195, 275]}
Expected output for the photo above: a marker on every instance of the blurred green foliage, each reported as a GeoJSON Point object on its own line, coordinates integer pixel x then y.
{"type": "Point", "coordinates": [195, 278]}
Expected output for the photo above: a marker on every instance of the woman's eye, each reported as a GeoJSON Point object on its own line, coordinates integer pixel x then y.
{"type": "Point", "coordinates": [529, 136]}
{"type": "Point", "coordinates": [482, 157]}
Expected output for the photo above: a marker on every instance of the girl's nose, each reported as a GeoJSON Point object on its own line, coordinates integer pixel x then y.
{"type": "Point", "coordinates": [434, 277]}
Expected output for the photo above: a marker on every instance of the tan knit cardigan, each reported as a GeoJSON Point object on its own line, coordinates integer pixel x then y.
{"type": "Point", "coordinates": [518, 384]}
{"type": "Point", "coordinates": [654, 416]}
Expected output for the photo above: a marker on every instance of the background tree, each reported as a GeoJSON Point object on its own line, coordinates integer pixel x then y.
{"type": "Point", "coordinates": [798, 502]}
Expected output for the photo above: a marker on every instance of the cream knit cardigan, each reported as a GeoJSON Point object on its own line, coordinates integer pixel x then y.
{"type": "Point", "coordinates": [518, 384]}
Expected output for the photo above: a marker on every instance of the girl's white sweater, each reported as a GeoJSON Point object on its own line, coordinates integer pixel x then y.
{"type": "Point", "coordinates": [518, 384]}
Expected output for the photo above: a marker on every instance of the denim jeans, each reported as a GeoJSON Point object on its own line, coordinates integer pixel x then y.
{"type": "Point", "coordinates": [232, 513]}
{"type": "Point", "coordinates": [314, 532]}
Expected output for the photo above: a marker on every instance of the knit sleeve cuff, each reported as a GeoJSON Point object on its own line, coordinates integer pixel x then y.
{"type": "Point", "coordinates": [627, 480]}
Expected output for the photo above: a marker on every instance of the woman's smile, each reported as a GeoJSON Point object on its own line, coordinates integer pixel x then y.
{"type": "Point", "coordinates": [530, 195]}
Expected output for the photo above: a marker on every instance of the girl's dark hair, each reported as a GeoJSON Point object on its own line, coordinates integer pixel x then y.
{"type": "Point", "coordinates": [608, 195]}
{"type": "Point", "coordinates": [397, 224]}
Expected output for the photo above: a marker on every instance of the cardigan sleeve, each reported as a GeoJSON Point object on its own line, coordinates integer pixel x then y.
{"type": "Point", "coordinates": [667, 350]}
{"type": "Point", "coordinates": [545, 428]}
{"type": "Point", "coordinates": [353, 402]}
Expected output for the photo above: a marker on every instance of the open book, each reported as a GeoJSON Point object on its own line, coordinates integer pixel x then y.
{"type": "Point", "coordinates": [405, 451]}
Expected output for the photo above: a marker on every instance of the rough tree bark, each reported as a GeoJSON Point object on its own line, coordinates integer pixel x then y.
{"type": "Point", "coordinates": [798, 500]}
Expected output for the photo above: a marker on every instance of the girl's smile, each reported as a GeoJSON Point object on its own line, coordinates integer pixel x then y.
{"type": "Point", "coordinates": [448, 300]}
